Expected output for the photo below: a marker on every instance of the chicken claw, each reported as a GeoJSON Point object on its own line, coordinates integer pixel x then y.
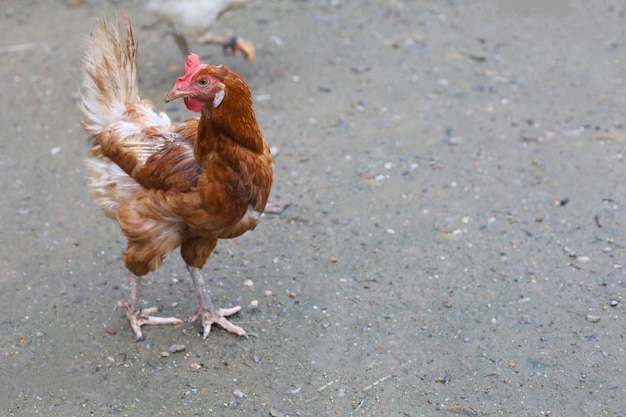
{"type": "Point", "coordinates": [236, 44]}
{"type": "Point", "coordinates": [218, 316]}
{"type": "Point", "coordinates": [208, 312]}
{"type": "Point", "coordinates": [143, 317]}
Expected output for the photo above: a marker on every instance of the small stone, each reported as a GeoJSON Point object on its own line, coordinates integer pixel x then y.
{"type": "Point", "coordinates": [176, 348]}
{"type": "Point", "coordinates": [248, 283]}
{"type": "Point", "coordinates": [593, 318]}
{"type": "Point", "coordinates": [276, 413]}
{"type": "Point", "coordinates": [165, 354]}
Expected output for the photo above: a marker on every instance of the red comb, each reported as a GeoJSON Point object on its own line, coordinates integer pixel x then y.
{"type": "Point", "coordinates": [191, 65]}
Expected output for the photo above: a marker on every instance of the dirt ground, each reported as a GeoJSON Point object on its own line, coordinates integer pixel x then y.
{"type": "Point", "coordinates": [454, 245]}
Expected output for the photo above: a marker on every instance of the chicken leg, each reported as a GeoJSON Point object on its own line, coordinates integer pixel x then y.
{"type": "Point", "coordinates": [142, 317]}
{"type": "Point", "coordinates": [209, 313]}
{"type": "Point", "coordinates": [181, 41]}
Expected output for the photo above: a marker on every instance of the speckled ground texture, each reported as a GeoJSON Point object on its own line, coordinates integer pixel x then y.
{"type": "Point", "coordinates": [454, 245]}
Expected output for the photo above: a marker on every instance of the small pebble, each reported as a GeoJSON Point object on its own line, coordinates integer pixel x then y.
{"type": "Point", "coordinates": [593, 318]}
{"type": "Point", "coordinates": [276, 413]}
{"type": "Point", "coordinates": [614, 303]}
{"type": "Point", "coordinates": [248, 283]}
{"type": "Point", "coordinates": [176, 348]}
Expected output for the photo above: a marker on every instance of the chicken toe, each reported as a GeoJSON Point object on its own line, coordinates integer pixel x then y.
{"type": "Point", "coordinates": [218, 316]}
{"type": "Point", "coordinates": [144, 317]}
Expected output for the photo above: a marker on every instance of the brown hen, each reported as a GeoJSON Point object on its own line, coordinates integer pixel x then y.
{"type": "Point", "coordinates": [170, 184]}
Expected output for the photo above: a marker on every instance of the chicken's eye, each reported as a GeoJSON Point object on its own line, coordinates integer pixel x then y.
{"type": "Point", "coordinates": [203, 82]}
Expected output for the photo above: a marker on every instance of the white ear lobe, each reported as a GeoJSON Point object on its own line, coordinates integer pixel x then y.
{"type": "Point", "coordinates": [217, 100]}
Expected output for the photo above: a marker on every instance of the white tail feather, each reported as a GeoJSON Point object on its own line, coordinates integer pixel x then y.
{"type": "Point", "coordinates": [110, 77]}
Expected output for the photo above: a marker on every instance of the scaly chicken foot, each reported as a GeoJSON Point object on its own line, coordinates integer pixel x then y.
{"type": "Point", "coordinates": [218, 316]}
{"type": "Point", "coordinates": [234, 44]}
{"type": "Point", "coordinates": [208, 312]}
{"type": "Point", "coordinates": [143, 316]}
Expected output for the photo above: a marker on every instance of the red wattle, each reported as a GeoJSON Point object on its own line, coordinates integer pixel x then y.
{"type": "Point", "coordinates": [193, 105]}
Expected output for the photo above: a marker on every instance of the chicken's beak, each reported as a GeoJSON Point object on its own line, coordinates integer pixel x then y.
{"type": "Point", "coordinates": [173, 94]}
